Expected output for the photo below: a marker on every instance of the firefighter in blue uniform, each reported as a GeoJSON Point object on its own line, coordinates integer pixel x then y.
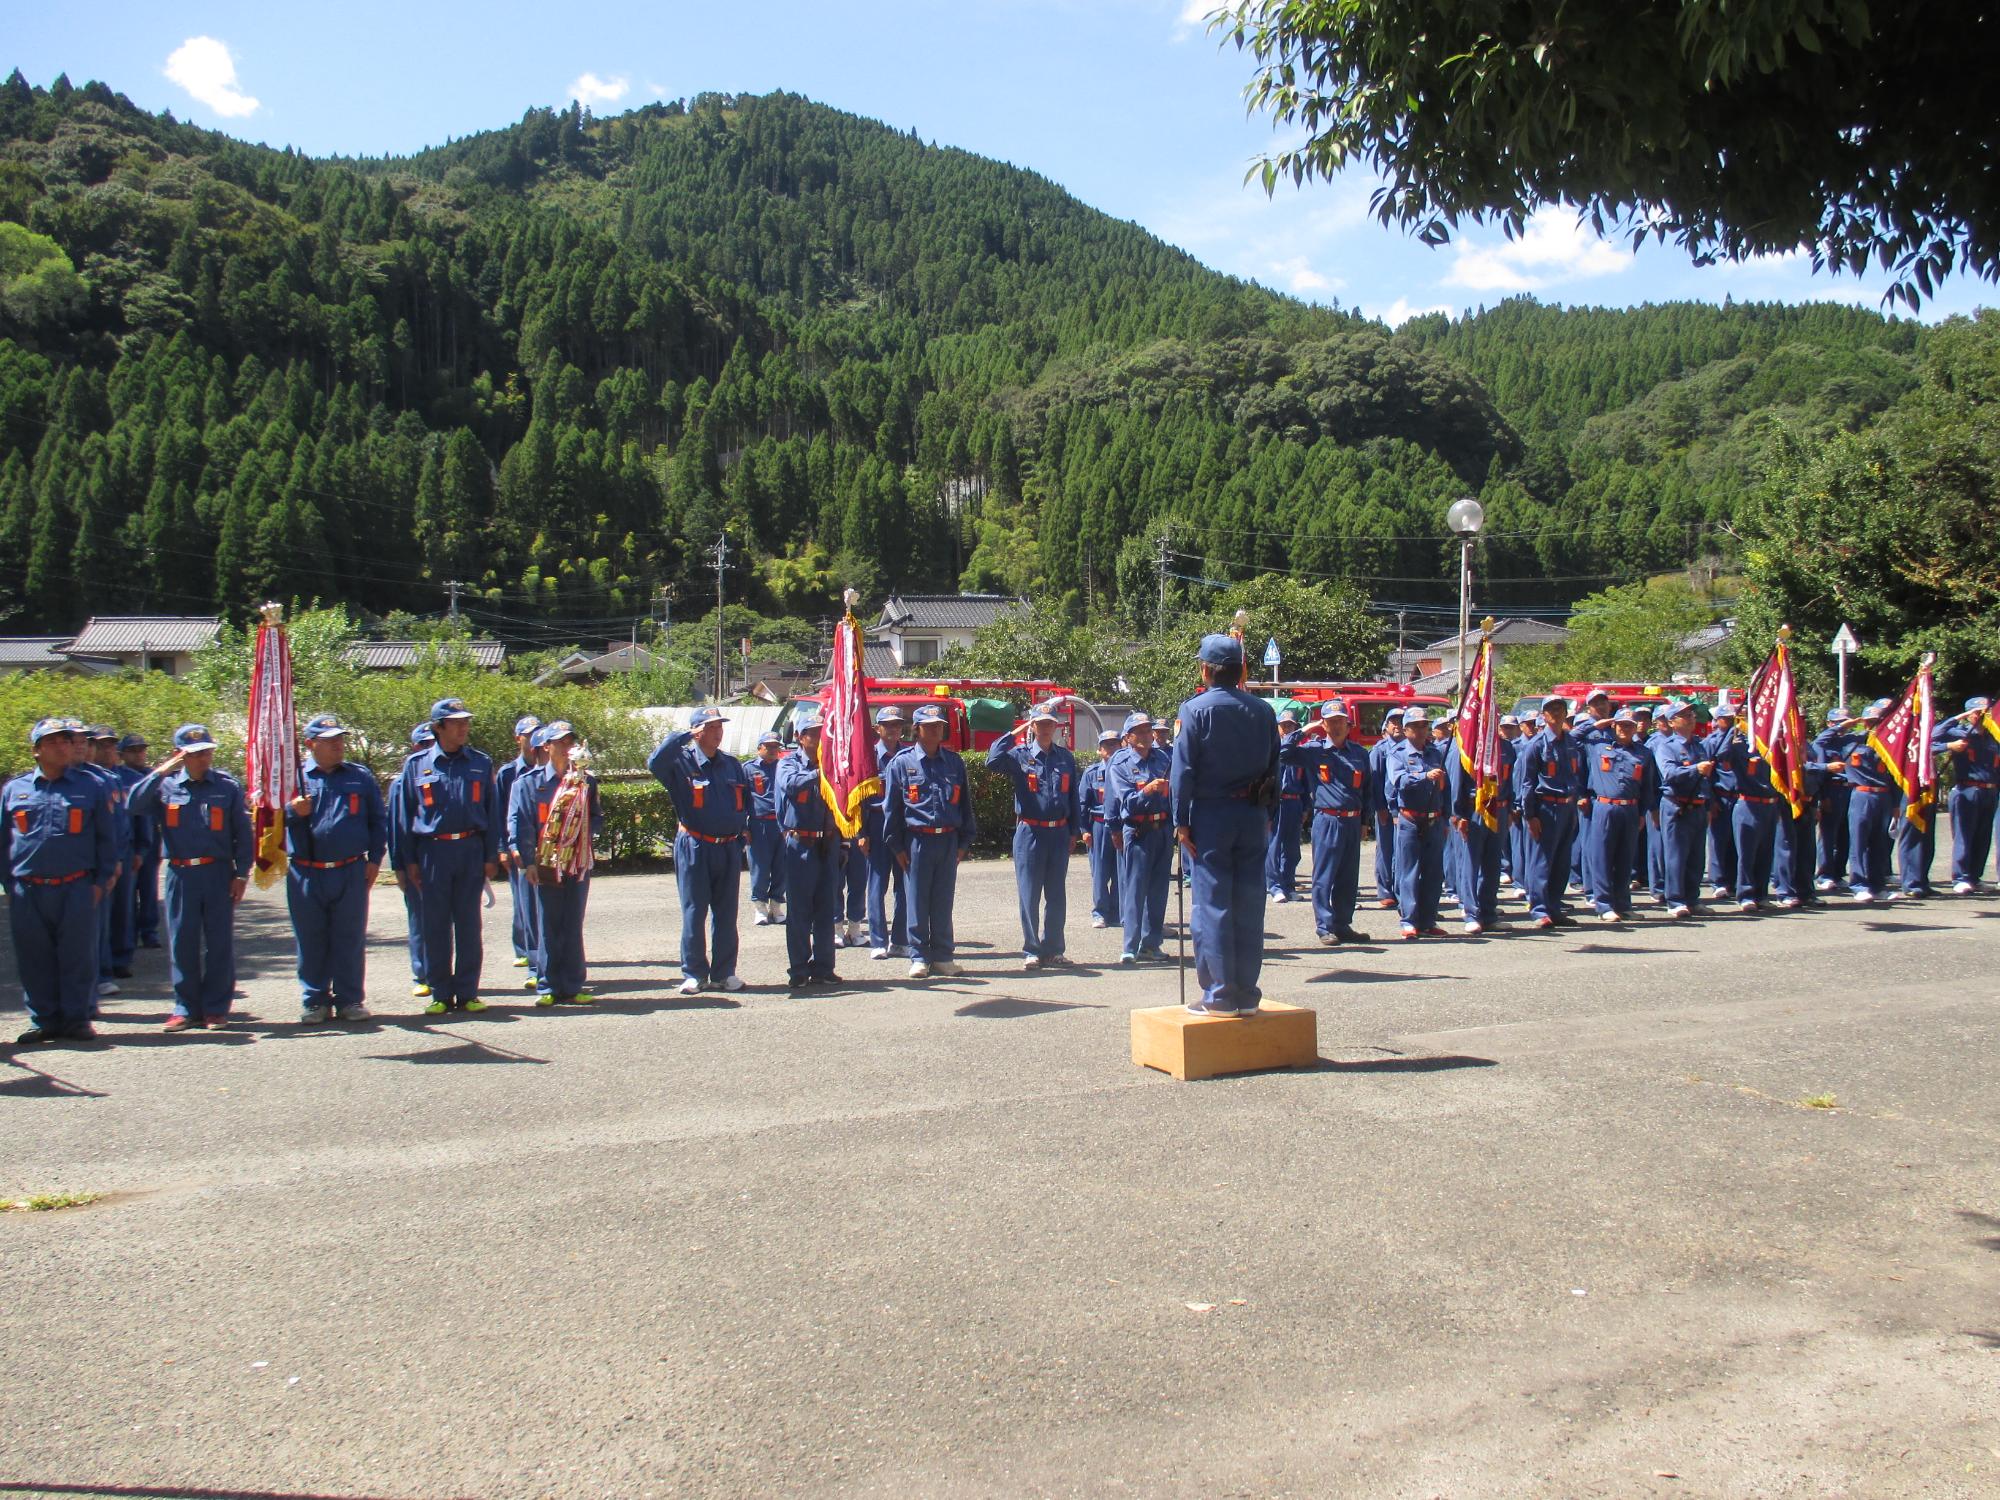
{"type": "Point", "coordinates": [1510, 846]}
{"type": "Point", "coordinates": [1104, 900]}
{"type": "Point", "coordinates": [1871, 808]}
{"type": "Point", "coordinates": [452, 828]}
{"type": "Point", "coordinates": [711, 797]}
{"type": "Point", "coordinates": [1420, 799]}
{"type": "Point", "coordinates": [336, 833]}
{"type": "Point", "coordinates": [1552, 778]}
{"type": "Point", "coordinates": [561, 896]}
{"type": "Point", "coordinates": [1642, 854]}
{"type": "Point", "coordinates": [1753, 817]}
{"type": "Point", "coordinates": [1793, 848]}
{"type": "Point", "coordinates": [1916, 845]}
{"type": "Point", "coordinates": [929, 824]}
{"type": "Point", "coordinates": [1225, 761]}
{"type": "Point", "coordinates": [1336, 773]}
{"type": "Point", "coordinates": [1137, 809]}
{"type": "Point", "coordinates": [84, 757]}
{"type": "Point", "coordinates": [1379, 756]}
{"type": "Point", "coordinates": [1281, 864]}
{"type": "Point", "coordinates": [1831, 748]}
{"type": "Point", "coordinates": [1484, 848]}
{"type": "Point", "coordinates": [1618, 780]}
{"type": "Point", "coordinates": [205, 824]}
{"type": "Point", "coordinates": [1683, 766]}
{"type": "Point", "coordinates": [767, 844]}
{"type": "Point", "coordinates": [523, 894]}
{"type": "Point", "coordinates": [1722, 872]}
{"type": "Point", "coordinates": [1048, 824]}
{"type": "Point", "coordinates": [114, 952]}
{"type": "Point", "coordinates": [1975, 792]}
{"type": "Point", "coordinates": [402, 853]}
{"type": "Point", "coordinates": [1590, 728]}
{"type": "Point", "coordinates": [145, 846]}
{"type": "Point", "coordinates": [812, 862]}
{"type": "Point", "coordinates": [1650, 740]}
{"type": "Point", "coordinates": [56, 848]}
{"type": "Point", "coordinates": [888, 898]}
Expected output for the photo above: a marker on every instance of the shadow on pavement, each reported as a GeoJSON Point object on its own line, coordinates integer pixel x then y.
{"type": "Point", "coordinates": [1369, 976]}
{"type": "Point", "coordinates": [1008, 1010]}
{"type": "Point", "coordinates": [1441, 1064]}
{"type": "Point", "coordinates": [466, 1052]}
{"type": "Point", "coordinates": [1983, 1221]}
{"type": "Point", "coordinates": [1903, 927]}
{"type": "Point", "coordinates": [1617, 952]}
{"type": "Point", "coordinates": [33, 1083]}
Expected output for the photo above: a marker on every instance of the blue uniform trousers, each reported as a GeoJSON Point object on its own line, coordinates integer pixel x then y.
{"type": "Point", "coordinates": [1754, 826]}
{"type": "Point", "coordinates": [1385, 858]}
{"type": "Point", "coordinates": [526, 939]}
{"type": "Point", "coordinates": [1517, 842]}
{"type": "Point", "coordinates": [55, 928]}
{"type": "Point", "coordinates": [1419, 867]}
{"type": "Point", "coordinates": [559, 905]}
{"type": "Point", "coordinates": [1336, 870]}
{"type": "Point", "coordinates": [1227, 884]}
{"type": "Point", "coordinates": [888, 898]}
{"type": "Point", "coordinates": [1484, 848]}
{"type": "Point", "coordinates": [933, 888]}
{"type": "Point", "coordinates": [1549, 858]}
{"type": "Point", "coordinates": [709, 884]}
{"type": "Point", "coordinates": [413, 912]}
{"type": "Point", "coordinates": [146, 919]}
{"type": "Point", "coordinates": [1973, 811]}
{"type": "Point", "coordinates": [1656, 855]}
{"type": "Point", "coordinates": [1868, 814]}
{"type": "Point", "coordinates": [122, 917]}
{"type": "Point", "coordinates": [1833, 834]}
{"type": "Point", "coordinates": [330, 929]}
{"type": "Point", "coordinates": [1104, 861]}
{"type": "Point", "coordinates": [854, 882]}
{"type": "Point", "coordinates": [1041, 870]}
{"type": "Point", "coordinates": [201, 939]}
{"type": "Point", "coordinates": [812, 904]}
{"type": "Point", "coordinates": [1145, 869]}
{"type": "Point", "coordinates": [1683, 829]}
{"type": "Point", "coordinates": [453, 872]}
{"type": "Point", "coordinates": [1792, 855]}
{"type": "Point", "coordinates": [1722, 843]}
{"type": "Point", "coordinates": [1614, 844]}
{"type": "Point", "coordinates": [1281, 861]}
{"type": "Point", "coordinates": [1916, 848]}
{"type": "Point", "coordinates": [1642, 841]}
{"type": "Point", "coordinates": [767, 863]}
{"type": "Point", "coordinates": [1582, 876]}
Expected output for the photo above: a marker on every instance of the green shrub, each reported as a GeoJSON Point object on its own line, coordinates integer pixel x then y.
{"type": "Point", "coordinates": [638, 822]}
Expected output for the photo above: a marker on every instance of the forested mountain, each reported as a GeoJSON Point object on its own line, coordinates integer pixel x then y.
{"type": "Point", "coordinates": [555, 361]}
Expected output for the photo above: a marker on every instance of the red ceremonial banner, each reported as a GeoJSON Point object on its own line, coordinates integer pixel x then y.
{"type": "Point", "coordinates": [271, 754]}
{"type": "Point", "coordinates": [848, 775]}
{"type": "Point", "coordinates": [1903, 740]}
{"type": "Point", "coordinates": [1479, 737]}
{"type": "Point", "coordinates": [1776, 729]}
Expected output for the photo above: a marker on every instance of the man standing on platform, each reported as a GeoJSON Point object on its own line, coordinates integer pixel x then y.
{"type": "Point", "coordinates": [145, 846]}
{"type": "Point", "coordinates": [1104, 901]}
{"type": "Point", "coordinates": [1379, 755]}
{"type": "Point", "coordinates": [1418, 796]}
{"type": "Point", "coordinates": [1552, 780]}
{"type": "Point", "coordinates": [206, 826]}
{"type": "Point", "coordinates": [452, 827]}
{"type": "Point", "coordinates": [1335, 772]}
{"type": "Point", "coordinates": [1683, 766]}
{"type": "Point", "coordinates": [1225, 761]}
{"type": "Point", "coordinates": [812, 863]}
{"type": "Point", "coordinates": [335, 834]}
{"type": "Point", "coordinates": [888, 906]}
{"type": "Point", "coordinates": [1281, 865]}
{"type": "Point", "coordinates": [767, 844]}
{"type": "Point", "coordinates": [711, 798]}
{"type": "Point", "coordinates": [1138, 806]}
{"type": "Point", "coordinates": [1048, 824]}
{"type": "Point", "coordinates": [523, 893]}
{"type": "Point", "coordinates": [402, 854]}
{"type": "Point", "coordinates": [1975, 792]}
{"type": "Point", "coordinates": [56, 849]}
{"type": "Point", "coordinates": [928, 821]}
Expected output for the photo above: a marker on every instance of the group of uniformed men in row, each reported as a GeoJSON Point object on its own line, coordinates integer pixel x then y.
{"type": "Point", "coordinates": [1600, 805]}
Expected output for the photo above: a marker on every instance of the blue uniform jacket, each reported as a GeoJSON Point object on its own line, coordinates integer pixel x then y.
{"type": "Point", "coordinates": [534, 788]}
{"type": "Point", "coordinates": [144, 831]}
{"type": "Point", "coordinates": [801, 806]}
{"type": "Point", "coordinates": [56, 826]}
{"type": "Point", "coordinates": [1090, 789]}
{"type": "Point", "coordinates": [1125, 804]}
{"type": "Point", "coordinates": [1465, 790]}
{"type": "Point", "coordinates": [763, 781]}
{"type": "Point", "coordinates": [347, 818]}
{"type": "Point", "coordinates": [1678, 762]}
{"type": "Point", "coordinates": [711, 794]}
{"type": "Point", "coordinates": [1379, 755]}
{"type": "Point", "coordinates": [1865, 768]}
{"type": "Point", "coordinates": [1411, 789]}
{"type": "Point", "coordinates": [1227, 741]}
{"type": "Point", "coordinates": [1976, 765]}
{"type": "Point", "coordinates": [1623, 773]}
{"type": "Point", "coordinates": [1720, 746]}
{"type": "Point", "coordinates": [1045, 781]}
{"type": "Point", "coordinates": [1747, 772]}
{"type": "Point", "coordinates": [450, 794]}
{"type": "Point", "coordinates": [503, 795]}
{"type": "Point", "coordinates": [117, 801]}
{"type": "Point", "coordinates": [1552, 771]}
{"type": "Point", "coordinates": [1339, 777]}
{"type": "Point", "coordinates": [926, 791]}
{"type": "Point", "coordinates": [206, 819]}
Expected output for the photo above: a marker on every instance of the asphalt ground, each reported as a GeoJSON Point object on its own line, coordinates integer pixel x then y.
{"type": "Point", "coordinates": [1551, 1218]}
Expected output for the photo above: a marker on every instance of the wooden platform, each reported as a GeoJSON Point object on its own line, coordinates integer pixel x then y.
{"type": "Point", "coordinates": [1278, 1036]}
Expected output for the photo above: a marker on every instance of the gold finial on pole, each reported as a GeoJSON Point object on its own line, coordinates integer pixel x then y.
{"type": "Point", "coordinates": [1785, 634]}
{"type": "Point", "coordinates": [850, 597]}
{"type": "Point", "coordinates": [1927, 659]}
{"type": "Point", "coordinates": [272, 612]}
{"type": "Point", "coordinates": [1486, 625]}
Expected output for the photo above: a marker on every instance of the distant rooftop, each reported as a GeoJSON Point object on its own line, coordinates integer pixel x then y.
{"type": "Point", "coordinates": [1508, 632]}
{"type": "Point", "coordinates": [137, 635]}
{"type": "Point", "coordinates": [387, 656]}
{"type": "Point", "coordinates": [944, 611]}
{"type": "Point", "coordinates": [28, 653]}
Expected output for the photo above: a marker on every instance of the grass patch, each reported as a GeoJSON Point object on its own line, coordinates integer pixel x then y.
{"type": "Point", "coordinates": [41, 1203]}
{"type": "Point", "coordinates": [1818, 1101]}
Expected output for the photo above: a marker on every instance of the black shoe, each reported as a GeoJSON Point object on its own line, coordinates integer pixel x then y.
{"type": "Point", "coordinates": [83, 1031]}
{"type": "Point", "coordinates": [121, 973]}
{"type": "Point", "coordinates": [36, 1035]}
{"type": "Point", "coordinates": [797, 986]}
{"type": "Point", "coordinates": [1350, 935]}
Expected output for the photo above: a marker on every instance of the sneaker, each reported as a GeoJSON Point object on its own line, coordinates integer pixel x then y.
{"type": "Point", "coordinates": [1748, 908]}
{"type": "Point", "coordinates": [1863, 897]}
{"type": "Point", "coordinates": [1329, 940]}
{"type": "Point", "coordinates": [1506, 880]}
{"type": "Point", "coordinates": [857, 934]}
{"type": "Point", "coordinates": [355, 1012]}
{"type": "Point", "coordinates": [436, 1008]}
{"type": "Point", "coordinates": [690, 986]}
{"type": "Point", "coordinates": [839, 935]}
{"type": "Point", "coordinates": [878, 953]}
{"type": "Point", "coordinates": [777, 911]}
{"type": "Point", "coordinates": [1409, 933]}
{"type": "Point", "coordinates": [420, 990]}
{"type": "Point", "coordinates": [474, 1005]}
{"type": "Point", "coordinates": [1679, 912]}
{"type": "Point", "coordinates": [1607, 916]}
{"type": "Point", "coordinates": [1824, 883]}
{"type": "Point", "coordinates": [1897, 896]}
{"type": "Point", "coordinates": [520, 963]}
{"type": "Point", "coordinates": [545, 999]}
{"type": "Point", "coordinates": [1961, 888]}
{"type": "Point", "coordinates": [1720, 893]}
{"type": "Point", "coordinates": [531, 983]}
{"type": "Point", "coordinates": [583, 997]}
{"type": "Point", "coordinates": [1031, 962]}
{"type": "Point", "coordinates": [1433, 931]}
{"type": "Point", "coordinates": [1211, 1008]}
{"type": "Point", "coordinates": [1473, 929]}
{"type": "Point", "coordinates": [1349, 935]}
{"type": "Point", "coordinates": [313, 1015]}
{"type": "Point", "coordinates": [1097, 921]}
{"type": "Point", "coordinates": [732, 984]}
{"type": "Point", "coordinates": [1279, 898]}
{"type": "Point", "coordinates": [920, 970]}
{"type": "Point", "coordinates": [107, 987]}
{"type": "Point", "coordinates": [1387, 903]}
{"type": "Point", "coordinates": [1543, 924]}
{"type": "Point", "coordinates": [758, 916]}
{"type": "Point", "coordinates": [1128, 960]}
{"type": "Point", "coordinates": [947, 966]}
{"type": "Point", "coordinates": [34, 1036]}
{"type": "Point", "coordinates": [215, 1023]}
{"type": "Point", "coordinates": [1789, 903]}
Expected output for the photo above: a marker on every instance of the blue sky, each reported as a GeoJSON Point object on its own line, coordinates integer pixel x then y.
{"type": "Point", "coordinates": [1126, 103]}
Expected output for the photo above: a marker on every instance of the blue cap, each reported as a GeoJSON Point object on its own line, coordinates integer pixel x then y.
{"type": "Point", "coordinates": [1043, 711]}
{"type": "Point", "coordinates": [1136, 720]}
{"type": "Point", "coordinates": [889, 715]}
{"type": "Point", "coordinates": [100, 732]}
{"type": "Point", "coordinates": [1221, 651]}
{"type": "Point", "coordinates": [1506, 719]}
{"type": "Point", "coordinates": [1724, 709]}
{"type": "Point", "coordinates": [1977, 705]}
{"type": "Point", "coordinates": [1836, 715]}
{"type": "Point", "coordinates": [1415, 716]}
{"type": "Point", "coordinates": [422, 734]}
{"type": "Point", "coordinates": [1595, 693]}
{"type": "Point", "coordinates": [1334, 708]}
{"type": "Point", "coordinates": [1876, 709]}
{"type": "Point", "coordinates": [549, 733]}
{"type": "Point", "coordinates": [1105, 736]}
{"type": "Point", "coordinates": [1624, 716]}
{"type": "Point", "coordinates": [193, 737]}
{"type": "Point", "coordinates": [324, 727]}
{"type": "Point", "coordinates": [810, 721]}
{"type": "Point", "coordinates": [929, 713]}
{"type": "Point", "coordinates": [449, 708]}
{"type": "Point", "coordinates": [526, 724]}
{"type": "Point", "coordinates": [1677, 706]}
{"type": "Point", "coordinates": [706, 715]}
{"type": "Point", "coordinates": [1161, 725]}
{"type": "Point", "coordinates": [133, 742]}
{"type": "Point", "coordinates": [770, 737]}
{"type": "Point", "coordinates": [46, 727]}
{"type": "Point", "coordinates": [1642, 709]}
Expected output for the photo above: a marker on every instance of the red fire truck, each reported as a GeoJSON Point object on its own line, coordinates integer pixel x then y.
{"type": "Point", "coordinates": [1367, 702]}
{"type": "Point", "coordinates": [977, 710]}
{"type": "Point", "coordinates": [1623, 695]}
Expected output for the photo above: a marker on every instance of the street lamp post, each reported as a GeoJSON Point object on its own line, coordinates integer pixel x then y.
{"type": "Point", "coordinates": [1464, 518]}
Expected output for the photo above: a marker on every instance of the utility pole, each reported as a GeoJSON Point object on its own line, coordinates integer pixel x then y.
{"type": "Point", "coordinates": [1402, 615]}
{"type": "Point", "coordinates": [454, 588]}
{"type": "Point", "coordinates": [1160, 561]}
{"type": "Point", "coordinates": [720, 552]}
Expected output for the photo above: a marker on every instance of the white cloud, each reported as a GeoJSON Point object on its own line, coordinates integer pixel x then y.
{"type": "Point", "coordinates": [203, 67]}
{"type": "Point", "coordinates": [1399, 312]}
{"type": "Point", "coordinates": [657, 90]}
{"type": "Point", "coordinates": [1552, 248]}
{"type": "Point", "coordinates": [592, 90]}
{"type": "Point", "coordinates": [1298, 276]}
{"type": "Point", "coordinates": [1193, 18]}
